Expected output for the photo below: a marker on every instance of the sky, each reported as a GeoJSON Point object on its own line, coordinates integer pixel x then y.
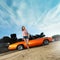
{"type": "Point", "coordinates": [36, 15]}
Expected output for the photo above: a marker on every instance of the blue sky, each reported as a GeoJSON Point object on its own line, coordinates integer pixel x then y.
{"type": "Point", "coordinates": [37, 15]}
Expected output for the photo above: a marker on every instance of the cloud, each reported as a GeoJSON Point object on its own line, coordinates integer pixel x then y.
{"type": "Point", "coordinates": [51, 22]}
{"type": "Point", "coordinates": [10, 12]}
{"type": "Point", "coordinates": [46, 21]}
{"type": "Point", "coordinates": [3, 21]}
{"type": "Point", "coordinates": [36, 15]}
{"type": "Point", "coordinates": [52, 14]}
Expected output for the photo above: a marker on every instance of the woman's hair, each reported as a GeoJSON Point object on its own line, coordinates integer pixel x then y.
{"type": "Point", "coordinates": [23, 28]}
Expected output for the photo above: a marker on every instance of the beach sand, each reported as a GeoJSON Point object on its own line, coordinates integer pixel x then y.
{"type": "Point", "coordinates": [48, 52]}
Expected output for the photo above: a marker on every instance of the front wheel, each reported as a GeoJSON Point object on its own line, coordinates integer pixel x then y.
{"type": "Point", "coordinates": [46, 42]}
{"type": "Point", "coordinates": [20, 47]}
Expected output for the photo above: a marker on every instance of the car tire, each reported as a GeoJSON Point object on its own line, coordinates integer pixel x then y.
{"type": "Point", "coordinates": [46, 42]}
{"type": "Point", "coordinates": [20, 47]}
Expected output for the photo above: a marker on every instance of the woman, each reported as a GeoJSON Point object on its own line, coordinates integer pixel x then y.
{"type": "Point", "coordinates": [25, 35]}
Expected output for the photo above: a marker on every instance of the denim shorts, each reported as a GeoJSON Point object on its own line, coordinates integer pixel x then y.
{"type": "Point", "coordinates": [25, 37]}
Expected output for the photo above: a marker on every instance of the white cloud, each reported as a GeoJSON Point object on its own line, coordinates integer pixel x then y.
{"type": "Point", "coordinates": [21, 12]}
{"type": "Point", "coordinates": [51, 22]}
{"type": "Point", "coordinates": [4, 24]}
{"type": "Point", "coordinates": [48, 22]}
{"type": "Point", "coordinates": [3, 21]}
{"type": "Point", "coordinates": [52, 15]}
{"type": "Point", "coordinates": [10, 12]}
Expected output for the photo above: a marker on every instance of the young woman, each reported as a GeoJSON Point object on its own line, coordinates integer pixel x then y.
{"type": "Point", "coordinates": [25, 35]}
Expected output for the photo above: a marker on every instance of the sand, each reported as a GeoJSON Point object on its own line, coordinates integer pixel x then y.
{"type": "Point", "coordinates": [48, 52]}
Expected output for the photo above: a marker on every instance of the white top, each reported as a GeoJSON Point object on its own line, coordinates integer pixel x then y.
{"type": "Point", "coordinates": [25, 33]}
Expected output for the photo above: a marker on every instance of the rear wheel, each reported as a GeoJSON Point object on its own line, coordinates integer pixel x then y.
{"type": "Point", "coordinates": [20, 47]}
{"type": "Point", "coordinates": [46, 42]}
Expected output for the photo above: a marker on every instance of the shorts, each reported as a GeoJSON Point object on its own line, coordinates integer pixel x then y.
{"type": "Point", "coordinates": [25, 37]}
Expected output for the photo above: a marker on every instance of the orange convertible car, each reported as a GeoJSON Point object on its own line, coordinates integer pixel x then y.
{"type": "Point", "coordinates": [35, 42]}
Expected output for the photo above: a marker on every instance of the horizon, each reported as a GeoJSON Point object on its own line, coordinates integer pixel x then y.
{"type": "Point", "coordinates": [36, 15]}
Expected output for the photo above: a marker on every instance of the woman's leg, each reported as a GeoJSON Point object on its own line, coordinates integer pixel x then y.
{"type": "Point", "coordinates": [26, 41]}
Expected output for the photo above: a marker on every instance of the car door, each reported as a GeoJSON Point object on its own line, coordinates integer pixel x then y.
{"type": "Point", "coordinates": [35, 42]}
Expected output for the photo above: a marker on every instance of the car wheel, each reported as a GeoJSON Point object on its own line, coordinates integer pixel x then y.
{"type": "Point", "coordinates": [46, 42]}
{"type": "Point", "coordinates": [20, 47]}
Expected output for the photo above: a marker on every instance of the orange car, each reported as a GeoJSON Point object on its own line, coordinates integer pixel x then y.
{"type": "Point", "coordinates": [35, 42]}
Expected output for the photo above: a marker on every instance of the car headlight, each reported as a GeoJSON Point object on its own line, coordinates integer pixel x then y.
{"type": "Point", "coordinates": [10, 46]}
